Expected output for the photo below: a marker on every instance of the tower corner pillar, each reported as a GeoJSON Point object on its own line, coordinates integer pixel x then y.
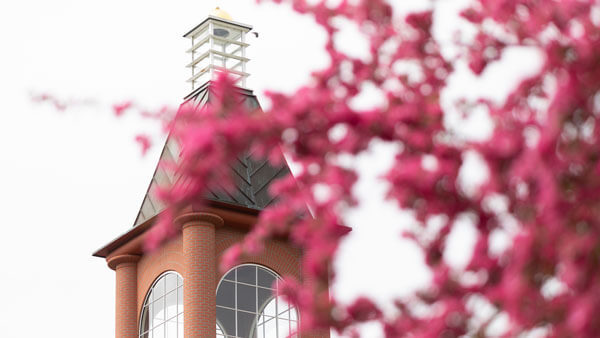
{"type": "Point", "coordinates": [125, 267]}
{"type": "Point", "coordinates": [198, 232]}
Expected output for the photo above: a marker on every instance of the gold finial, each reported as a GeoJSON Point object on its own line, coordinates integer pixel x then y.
{"type": "Point", "coordinates": [219, 13]}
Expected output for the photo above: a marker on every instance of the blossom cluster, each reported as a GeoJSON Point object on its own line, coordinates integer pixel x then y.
{"type": "Point", "coordinates": [542, 163]}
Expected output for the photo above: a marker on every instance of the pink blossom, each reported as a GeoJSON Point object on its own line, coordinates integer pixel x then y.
{"type": "Point", "coordinates": [144, 142]}
{"type": "Point", "coordinates": [363, 309]}
{"type": "Point", "coordinates": [120, 108]}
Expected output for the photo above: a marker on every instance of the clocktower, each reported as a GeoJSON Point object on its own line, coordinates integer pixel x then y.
{"type": "Point", "coordinates": [177, 291]}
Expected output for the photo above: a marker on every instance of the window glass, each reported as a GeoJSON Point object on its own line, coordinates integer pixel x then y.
{"type": "Point", "coordinates": [226, 294]}
{"type": "Point", "coordinates": [162, 313]}
{"type": "Point", "coordinates": [220, 332]}
{"type": "Point", "coordinates": [248, 308]}
{"type": "Point", "coordinates": [246, 298]}
{"type": "Point", "coordinates": [226, 321]}
{"type": "Point", "coordinates": [171, 304]}
{"type": "Point", "coordinates": [171, 280]}
{"type": "Point", "coordinates": [230, 276]}
{"type": "Point", "coordinates": [247, 274]}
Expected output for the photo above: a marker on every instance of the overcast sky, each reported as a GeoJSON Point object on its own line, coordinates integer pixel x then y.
{"type": "Point", "coordinates": [74, 180]}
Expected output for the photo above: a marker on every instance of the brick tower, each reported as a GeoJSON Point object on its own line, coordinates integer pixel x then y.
{"type": "Point", "coordinates": [177, 291]}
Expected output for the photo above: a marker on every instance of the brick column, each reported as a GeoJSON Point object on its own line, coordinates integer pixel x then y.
{"type": "Point", "coordinates": [199, 308]}
{"type": "Point", "coordinates": [125, 266]}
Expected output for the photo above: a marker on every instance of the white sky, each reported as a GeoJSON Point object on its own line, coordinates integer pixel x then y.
{"type": "Point", "coordinates": [74, 180]}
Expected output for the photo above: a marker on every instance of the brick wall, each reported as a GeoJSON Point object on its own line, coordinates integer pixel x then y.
{"type": "Point", "coordinates": [169, 257]}
{"type": "Point", "coordinates": [279, 256]}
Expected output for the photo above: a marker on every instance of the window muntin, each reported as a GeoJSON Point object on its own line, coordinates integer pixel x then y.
{"type": "Point", "coordinates": [162, 314]}
{"type": "Point", "coordinates": [247, 306]}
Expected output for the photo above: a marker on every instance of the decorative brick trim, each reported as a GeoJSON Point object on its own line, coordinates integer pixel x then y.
{"type": "Point", "coordinates": [122, 260]}
{"type": "Point", "coordinates": [278, 255]}
{"type": "Point", "coordinates": [199, 218]}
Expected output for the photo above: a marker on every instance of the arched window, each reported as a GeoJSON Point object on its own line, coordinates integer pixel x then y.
{"type": "Point", "coordinates": [162, 314]}
{"type": "Point", "coordinates": [247, 306]}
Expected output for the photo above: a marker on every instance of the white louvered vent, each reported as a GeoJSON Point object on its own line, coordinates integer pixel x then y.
{"type": "Point", "coordinates": [218, 44]}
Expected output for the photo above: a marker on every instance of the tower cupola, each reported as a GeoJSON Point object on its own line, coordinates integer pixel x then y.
{"type": "Point", "coordinates": [218, 44]}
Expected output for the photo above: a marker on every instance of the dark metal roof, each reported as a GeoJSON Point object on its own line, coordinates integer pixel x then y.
{"type": "Point", "coordinates": [252, 178]}
{"type": "Point", "coordinates": [252, 175]}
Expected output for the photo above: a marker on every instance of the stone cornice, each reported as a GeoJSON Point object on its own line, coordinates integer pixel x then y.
{"type": "Point", "coordinates": [199, 219]}
{"type": "Point", "coordinates": [122, 260]}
